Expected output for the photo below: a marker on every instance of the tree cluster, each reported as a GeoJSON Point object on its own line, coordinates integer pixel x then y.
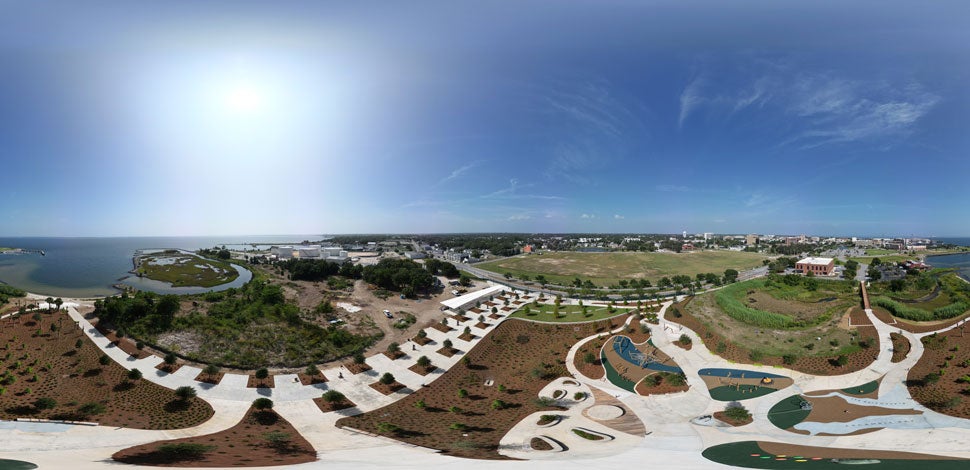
{"type": "Point", "coordinates": [319, 270]}
{"type": "Point", "coordinates": [399, 275]}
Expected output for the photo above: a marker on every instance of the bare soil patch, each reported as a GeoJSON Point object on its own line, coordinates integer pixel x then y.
{"type": "Point", "coordinates": [355, 368]}
{"type": "Point", "coordinates": [65, 365]}
{"type": "Point", "coordinates": [169, 368]}
{"type": "Point", "coordinates": [213, 379]}
{"type": "Point", "coordinates": [442, 327]}
{"type": "Point", "coordinates": [394, 355]}
{"type": "Point", "coordinates": [521, 356]}
{"type": "Point", "coordinates": [262, 438]}
{"type": "Point", "coordinates": [417, 369]}
{"type": "Point", "coordinates": [539, 444]}
{"type": "Point", "coordinates": [447, 352]}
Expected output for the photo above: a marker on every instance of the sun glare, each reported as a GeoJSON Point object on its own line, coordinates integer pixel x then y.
{"type": "Point", "coordinates": [244, 98]}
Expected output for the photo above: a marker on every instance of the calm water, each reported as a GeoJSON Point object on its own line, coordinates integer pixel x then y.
{"type": "Point", "coordinates": [88, 267]}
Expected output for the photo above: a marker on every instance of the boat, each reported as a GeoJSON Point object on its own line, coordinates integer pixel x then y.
{"type": "Point", "coordinates": [856, 461]}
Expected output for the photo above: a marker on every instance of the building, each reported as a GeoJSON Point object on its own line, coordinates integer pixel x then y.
{"type": "Point", "coordinates": [687, 247]}
{"type": "Point", "coordinates": [308, 251]}
{"type": "Point", "coordinates": [816, 266]}
{"type": "Point", "coordinates": [527, 249]}
{"type": "Point", "coordinates": [282, 252]}
{"type": "Point", "coordinates": [414, 255]}
{"type": "Point", "coordinates": [751, 240]}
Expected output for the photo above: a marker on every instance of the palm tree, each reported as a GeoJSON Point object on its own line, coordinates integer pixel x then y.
{"type": "Point", "coordinates": [58, 302]}
{"type": "Point", "coordinates": [50, 301]}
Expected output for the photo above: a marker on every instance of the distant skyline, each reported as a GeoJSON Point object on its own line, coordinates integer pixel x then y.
{"type": "Point", "coordinates": [222, 118]}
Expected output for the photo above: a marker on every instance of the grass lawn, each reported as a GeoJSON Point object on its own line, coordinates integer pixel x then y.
{"type": "Point", "coordinates": [180, 269]}
{"type": "Point", "coordinates": [884, 259]}
{"type": "Point", "coordinates": [568, 313]}
{"type": "Point", "coordinates": [605, 269]}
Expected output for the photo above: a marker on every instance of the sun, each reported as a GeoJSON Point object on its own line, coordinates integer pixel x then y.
{"type": "Point", "coordinates": [244, 98]}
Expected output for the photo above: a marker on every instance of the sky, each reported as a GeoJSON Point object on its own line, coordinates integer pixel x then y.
{"type": "Point", "coordinates": [230, 117]}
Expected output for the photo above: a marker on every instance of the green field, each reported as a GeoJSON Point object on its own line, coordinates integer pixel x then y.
{"type": "Point", "coordinates": [605, 269]}
{"type": "Point", "coordinates": [181, 269]}
{"type": "Point", "coordinates": [568, 313]}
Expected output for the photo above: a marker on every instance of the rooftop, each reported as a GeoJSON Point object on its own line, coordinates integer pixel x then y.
{"type": "Point", "coordinates": [812, 260]}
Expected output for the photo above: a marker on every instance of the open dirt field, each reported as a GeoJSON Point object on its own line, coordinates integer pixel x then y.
{"type": "Point", "coordinates": [608, 268]}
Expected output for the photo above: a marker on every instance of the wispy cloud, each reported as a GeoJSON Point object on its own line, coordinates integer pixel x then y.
{"type": "Point", "coordinates": [512, 192]}
{"type": "Point", "coordinates": [520, 217]}
{"type": "Point", "coordinates": [671, 188]}
{"type": "Point", "coordinates": [618, 217]}
{"type": "Point", "coordinates": [817, 107]}
{"type": "Point", "coordinates": [588, 216]}
{"type": "Point", "coordinates": [458, 172]}
{"type": "Point", "coordinates": [690, 99]}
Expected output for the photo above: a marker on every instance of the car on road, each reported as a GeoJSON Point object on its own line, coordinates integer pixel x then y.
{"type": "Point", "coordinates": [387, 313]}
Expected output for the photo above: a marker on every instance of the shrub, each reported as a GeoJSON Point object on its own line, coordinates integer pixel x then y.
{"type": "Point", "coordinates": [498, 404]}
{"type": "Point", "coordinates": [579, 396]}
{"type": "Point", "coordinates": [211, 369]}
{"type": "Point", "coordinates": [447, 344]}
{"type": "Point", "coordinates": [170, 359]}
{"type": "Point", "coordinates": [45, 403]}
{"type": "Point", "coordinates": [278, 439]}
{"type": "Point", "coordinates": [184, 450]}
{"type": "Point", "coordinates": [387, 428]}
{"type": "Point", "coordinates": [387, 378]}
{"type": "Point", "coordinates": [185, 392]}
{"type": "Point", "coordinates": [261, 373]}
{"type": "Point", "coordinates": [684, 339]}
{"type": "Point", "coordinates": [263, 403]}
{"type": "Point", "coordinates": [393, 348]}
{"type": "Point", "coordinates": [104, 360]}
{"type": "Point", "coordinates": [789, 359]}
{"type": "Point", "coordinates": [312, 370]}
{"type": "Point", "coordinates": [423, 361]}
{"type": "Point", "coordinates": [737, 412]}
{"type": "Point", "coordinates": [359, 358]}
{"type": "Point", "coordinates": [842, 360]}
{"type": "Point", "coordinates": [458, 426]}
{"type": "Point", "coordinates": [91, 408]}
{"type": "Point", "coordinates": [420, 404]}
{"type": "Point", "coordinates": [589, 358]}
{"type": "Point", "coordinates": [134, 374]}
{"type": "Point", "coordinates": [462, 393]}
{"type": "Point", "coordinates": [333, 396]}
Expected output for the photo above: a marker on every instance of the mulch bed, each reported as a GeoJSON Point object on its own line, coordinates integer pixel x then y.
{"type": "Point", "coordinates": [901, 347]}
{"type": "Point", "coordinates": [417, 369]}
{"type": "Point", "coordinates": [327, 406]}
{"type": "Point", "coordinates": [442, 328]}
{"type": "Point", "coordinates": [253, 382]}
{"type": "Point", "coordinates": [421, 341]}
{"type": "Point", "coordinates": [722, 416]}
{"type": "Point", "coordinates": [466, 336]}
{"type": "Point", "coordinates": [127, 345]}
{"type": "Point", "coordinates": [538, 444]}
{"type": "Point", "coordinates": [447, 352]}
{"type": "Point", "coordinates": [170, 368]}
{"type": "Point", "coordinates": [209, 379]}
{"type": "Point", "coordinates": [387, 389]}
{"type": "Point", "coordinates": [943, 353]}
{"type": "Point", "coordinates": [394, 355]}
{"type": "Point", "coordinates": [685, 346]}
{"type": "Point", "coordinates": [74, 377]}
{"type": "Point", "coordinates": [481, 325]}
{"type": "Point", "coordinates": [310, 380]}
{"type": "Point", "coordinates": [508, 355]}
{"type": "Point", "coordinates": [495, 316]}
{"type": "Point", "coordinates": [355, 368]}
{"type": "Point", "coordinates": [243, 445]}
{"type": "Point", "coordinates": [816, 365]}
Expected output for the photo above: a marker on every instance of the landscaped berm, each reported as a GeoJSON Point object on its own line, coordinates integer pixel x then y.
{"type": "Point", "coordinates": [461, 415]}
{"type": "Point", "coordinates": [802, 323]}
{"type": "Point", "coordinates": [50, 369]}
{"type": "Point", "coordinates": [774, 455]}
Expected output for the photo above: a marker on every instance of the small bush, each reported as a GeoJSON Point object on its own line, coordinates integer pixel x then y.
{"type": "Point", "coordinates": [263, 403]}
{"type": "Point", "coordinates": [387, 378]}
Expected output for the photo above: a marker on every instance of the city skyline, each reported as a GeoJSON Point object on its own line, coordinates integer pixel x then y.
{"type": "Point", "coordinates": [639, 117]}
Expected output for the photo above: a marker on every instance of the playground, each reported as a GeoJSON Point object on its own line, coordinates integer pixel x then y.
{"type": "Point", "coordinates": [850, 411]}
{"type": "Point", "coordinates": [737, 385]}
{"type": "Point", "coordinates": [774, 455]}
{"type": "Point", "coordinates": [628, 363]}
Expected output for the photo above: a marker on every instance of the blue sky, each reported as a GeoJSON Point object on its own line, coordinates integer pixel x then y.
{"type": "Point", "coordinates": [219, 118]}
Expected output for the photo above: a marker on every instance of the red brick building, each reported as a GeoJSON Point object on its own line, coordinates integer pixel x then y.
{"type": "Point", "coordinates": [816, 266]}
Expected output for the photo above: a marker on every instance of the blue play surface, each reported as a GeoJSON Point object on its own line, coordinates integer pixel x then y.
{"type": "Point", "coordinates": [624, 347]}
{"type": "Point", "coordinates": [738, 373]}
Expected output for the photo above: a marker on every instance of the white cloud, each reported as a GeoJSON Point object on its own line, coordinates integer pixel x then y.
{"type": "Point", "coordinates": [520, 217]}
{"type": "Point", "coordinates": [618, 217]}
{"type": "Point", "coordinates": [690, 99]}
{"type": "Point", "coordinates": [588, 216]}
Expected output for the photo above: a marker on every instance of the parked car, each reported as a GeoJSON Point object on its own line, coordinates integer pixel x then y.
{"type": "Point", "coordinates": [387, 313]}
